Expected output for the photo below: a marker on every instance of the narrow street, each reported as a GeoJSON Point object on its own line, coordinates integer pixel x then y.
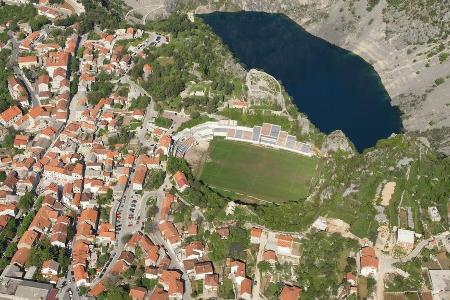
{"type": "Point", "coordinates": [256, 292]}
{"type": "Point", "coordinates": [18, 72]}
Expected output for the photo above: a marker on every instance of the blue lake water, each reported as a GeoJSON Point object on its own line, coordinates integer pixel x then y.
{"type": "Point", "coordinates": [335, 88]}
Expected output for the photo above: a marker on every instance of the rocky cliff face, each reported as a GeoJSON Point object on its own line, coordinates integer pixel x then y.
{"type": "Point", "coordinates": [337, 141]}
{"type": "Point", "coordinates": [406, 41]}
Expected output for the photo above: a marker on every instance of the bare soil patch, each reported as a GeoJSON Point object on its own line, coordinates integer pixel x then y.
{"type": "Point", "coordinates": [388, 191]}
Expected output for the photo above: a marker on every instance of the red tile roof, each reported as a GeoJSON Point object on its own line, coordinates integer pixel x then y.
{"type": "Point", "coordinates": [290, 293]}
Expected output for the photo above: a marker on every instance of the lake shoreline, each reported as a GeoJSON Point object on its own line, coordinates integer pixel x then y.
{"type": "Point", "coordinates": [245, 46]}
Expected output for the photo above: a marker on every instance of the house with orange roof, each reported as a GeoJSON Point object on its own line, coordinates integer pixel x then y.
{"type": "Point", "coordinates": [150, 250]}
{"type": "Point", "coordinates": [194, 250]}
{"type": "Point", "coordinates": [22, 123]}
{"type": "Point", "coordinates": [21, 141]}
{"type": "Point", "coordinates": [139, 178]}
{"type": "Point", "coordinates": [240, 104]}
{"type": "Point", "coordinates": [128, 160]}
{"type": "Point", "coordinates": [48, 12]}
{"type": "Point", "coordinates": [151, 162]}
{"type": "Point", "coordinates": [151, 256]}
{"type": "Point", "coordinates": [89, 216]}
{"type": "Point", "coordinates": [172, 283]}
{"type": "Point", "coordinates": [28, 239]}
{"type": "Point", "coordinates": [159, 294]}
{"type": "Point", "coordinates": [255, 235]}
{"type": "Point", "coordinates": [119, 268]}
{"type": "Point", "coordinates": [181, 181]}
{"type": "Point", "coordinates": [284, 244]}
{"type": "Point", "coordinates": [164, 145]}
{"type": "Point", "coordinates": [166, 205]}
{"type": "Point", "coordinates": [170, 233]}
{"type": "Point", "coordinates": [98, 288]}
{"type": "Point", "coordinates": [80, 275]}
{"type": "Point", "coordinates": [138, 114]}
{"type": "Point", "coordinates": [85, 232]}
{"type": "Point", "coordinates": [20, 257]}
{"type": "Point", "coordinates": [369, 262]}
{"type": "Point", "coordinates": [50, 270]}
{"type": "Point", "coordinates": [9, 185]}
{"type": "Point", "coordinates": [290, 292]}
{"type": "Point", "coordinates": [56, 60]}
{"type": "Point", "coordinates": [192, 230]}
{"type": "Point", "coordinates": [152, 272]}
{"type": "Point", "coordinates": [270, 256]}
{"type": "Point", "coordinates": [26, 184]}
{"type": "Point", "coordinates": [61, 116]}
{"type": "Point", "coordinates": [351, 278]}
{"type": "Point", "coordinates": [106, 234]}
{"type": "Point", "coordinates": [27, 61]}
{"type": "Point", "coordinates": [43, 49]}
{"type": "Point", "coordinates": [189, 266]}
{"type": "Point", "coordinates": [44, 219]}
{"type": "Point", "coordinates": [26, 43]}
{"type": "Point", "coordinates": [245, 289]}
{"type": "Point", "coordinates": [211, 283]}
{"type": "Point", "coordinates": [201, 269]}
{"type": "Point", "coordinates": [17, 90]}
{"type": "Point", "coordinates": [138, 293]}
{"type": "Point", "coordinates": [148, 69]}
{"type": "Point", "coordinates": [57, 174]}
{"type": "Point", "coordinates": [8, 209]}
{"type": "Point", "coordinates": [237, 271]}
{"type": "Point", "coordinates": [10, 116]}
{"type": "Point", "coordinates": [71, 44]}
{"type": "Point", "coordinates": [223, 232]}
{"type": "Point", "coordinates": [133, 241]}
{"type": "Point", "coordinates": [43, 83]}
{"type": "Point", "coordinates": [58, 76]}
{"type": "Point", "coordinates": [58, 237]}
{"type": "Point", "coordinates": [80, 252]}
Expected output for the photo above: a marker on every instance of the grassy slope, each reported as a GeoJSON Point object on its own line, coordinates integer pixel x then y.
{"type": "Point", "coordinates": [267, 174]}
{"type": "Point", "coordinates": [427, 185]}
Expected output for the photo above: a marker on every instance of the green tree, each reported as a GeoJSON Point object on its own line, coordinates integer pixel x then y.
{"type": "Point", "coordinates": [149, 284]}
{"type": "Point", "coordinates": [155, 178]}
{"type": "Point", "coordinates": [264, 266]}
{"type": "Point", "coordinates": [26, 201]}
{"type": "Point", "coordinates": [37, 22]}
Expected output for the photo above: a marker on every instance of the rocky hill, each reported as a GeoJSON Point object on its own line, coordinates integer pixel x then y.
{"type": "Point", "coordinates": [406, 41]}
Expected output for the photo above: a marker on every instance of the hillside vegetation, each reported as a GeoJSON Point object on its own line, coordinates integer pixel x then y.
{"type": "Point", "coordinates": [195, 56]}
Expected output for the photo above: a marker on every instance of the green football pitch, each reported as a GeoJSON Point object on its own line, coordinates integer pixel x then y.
{"type": "Point", "coordinates": [258, 172]}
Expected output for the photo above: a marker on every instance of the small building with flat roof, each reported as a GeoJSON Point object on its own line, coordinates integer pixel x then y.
{"type": "Point", "coordinates": [405, 239]}
{"type": "Point", "coordinates": [440, 283]}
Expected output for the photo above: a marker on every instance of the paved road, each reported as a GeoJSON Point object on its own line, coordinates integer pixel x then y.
{"type": "Point", "coordinates": [156, 236]}
{"type": "Point", "coordinates": [257, 287]}
{"type": "Point", "coordinates": [63, 293]}
{"type": "Point", "coordinates": [18, 72]}
{"type": "Point", "coordinates": [387, 262]}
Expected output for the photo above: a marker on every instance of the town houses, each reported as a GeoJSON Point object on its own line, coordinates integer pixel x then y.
{"type": "Point", "coordinates": [64, 173]}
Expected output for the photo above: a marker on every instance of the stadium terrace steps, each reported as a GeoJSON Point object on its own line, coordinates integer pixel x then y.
{"type": "Point", "coordinates": [268, 135]}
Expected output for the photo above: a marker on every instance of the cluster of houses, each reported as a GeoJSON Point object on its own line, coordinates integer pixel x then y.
{"type": "Point", "coordinates": [278, 247]}
{"type": "Point", "coordinates": [156, 261]}
{"type": "Point", "coordinates": [51, 61]}
{"type": "Point", "coordinates": [63, 160]}
{"type": "Point", "coordinates": [105, 54]}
